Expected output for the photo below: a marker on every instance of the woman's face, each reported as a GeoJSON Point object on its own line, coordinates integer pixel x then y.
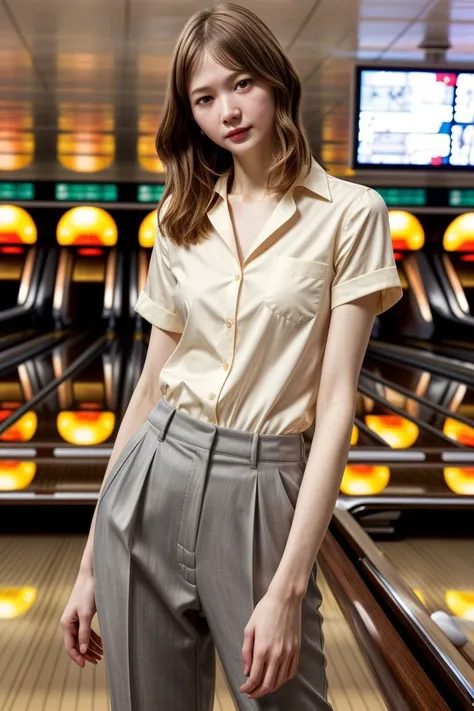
{"type": "Point", "coordinates": [223, 100]}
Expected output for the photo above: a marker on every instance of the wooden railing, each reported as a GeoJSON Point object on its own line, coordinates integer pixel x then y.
{"type": "Point", "coordinates": [402, 682]}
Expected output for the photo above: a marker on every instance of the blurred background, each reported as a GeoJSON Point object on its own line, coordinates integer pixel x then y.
{"type": "Point", "coordinates": [388, 101]}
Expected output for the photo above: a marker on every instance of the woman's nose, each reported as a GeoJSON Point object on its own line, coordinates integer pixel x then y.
{"type": "Point", "coordinates": [229, 113]}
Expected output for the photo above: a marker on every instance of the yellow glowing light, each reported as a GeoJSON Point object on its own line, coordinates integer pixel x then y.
{"type": "Point", "coordinates": [398, 432]}
{"type": "Point", "coordinates": [354, 435]}
{"type": "Point", "coordinates": [420, 596]}
{"type": "Point", "coordinates": [407, 231]}
{"type": "Point", "coordinates": [17, 142]}
{"type": "Point", "coordinates": [460, 432]}
{"type": "Point", "coordinates": [16, 226]}
{"type": "Point", "coordinates": [86, 152]}
{"type": "Point", "coordinates": [15, 602]}
{"type": "Point", "coordinates": [364, 479]}
{"type": "Point", "coordinates": [459, 236]}
{"type": "Point", "coordinates": [147, 157]}
{"type": "Point", "coordinates": [16, 475]}
{"type": "Point", "coordinates": [84, 63]}
{"type": "Point", "coordinates": [146, 233]}
{"type": "Point", "coordinates": [87, 225]}
{"type": "Point", "coordinates": [16, 151]}
{"type": "Point", "coordinates": [461, 603]}
{"type": "Point", "coordinates": [22, 430]}
{"type": "Point", "coordinates": [85, 427]}
{"type": "Point", "coordinates": [460, 480]}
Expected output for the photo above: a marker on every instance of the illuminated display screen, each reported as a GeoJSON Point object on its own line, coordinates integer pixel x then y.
{"type": "Point", "coordinates": [403, 196]}
{"type": "Point", "coordinates": [17, 191]}
{"type": "Point", "coordinates": [149, 193]}
{"type": "Point", "coordinates": [461, 198]}
{"type": "Point", "coordinates": [86, 192]}
{"type": "Point", "coordinates": [407, 118]}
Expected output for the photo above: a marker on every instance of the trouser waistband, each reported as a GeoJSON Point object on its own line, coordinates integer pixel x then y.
{"type": "Point", "coordinates": [224, 440]}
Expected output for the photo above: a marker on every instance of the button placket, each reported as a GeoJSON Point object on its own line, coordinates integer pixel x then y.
{"type": "Point", "coordinates": [229, 331]}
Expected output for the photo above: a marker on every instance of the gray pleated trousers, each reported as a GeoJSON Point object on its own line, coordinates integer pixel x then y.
{"type": "Point", "coordinates": [191, 525]}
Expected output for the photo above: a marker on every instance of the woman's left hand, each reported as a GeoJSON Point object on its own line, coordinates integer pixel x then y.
{"type": "Point", "coordinates": [272, 640]}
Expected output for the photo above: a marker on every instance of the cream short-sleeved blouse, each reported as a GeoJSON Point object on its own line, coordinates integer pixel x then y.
{"type": "Point", "coordinates": [253, 338]}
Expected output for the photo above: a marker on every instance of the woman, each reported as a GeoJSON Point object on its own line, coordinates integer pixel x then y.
{"type": "Point", "coordinates": [264, 280]}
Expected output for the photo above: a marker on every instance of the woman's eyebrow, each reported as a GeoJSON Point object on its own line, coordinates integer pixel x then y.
{"type": "Point", "coordinates": [207, 88]}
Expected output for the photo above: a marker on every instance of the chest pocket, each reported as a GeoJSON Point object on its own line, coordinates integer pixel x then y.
{"type": "Point", "coordinates": [293, 288]}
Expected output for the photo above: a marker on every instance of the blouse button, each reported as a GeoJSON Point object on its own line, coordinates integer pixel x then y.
{"type": "Point", "coordinates": [236, 277]}
{"type": "Point", "coordinates": [212, 396]}
{"type": "Point", "coordinates": [228, 323]}
{"type": "Point", "coordinates": [225, 365]}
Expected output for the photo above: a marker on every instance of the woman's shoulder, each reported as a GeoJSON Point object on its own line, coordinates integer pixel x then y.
{"type": "Point", "coordinates": [345, 193]}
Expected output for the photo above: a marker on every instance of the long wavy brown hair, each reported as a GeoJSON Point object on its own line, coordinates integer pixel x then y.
{"type": "Point", "coordinates": [239, 40]}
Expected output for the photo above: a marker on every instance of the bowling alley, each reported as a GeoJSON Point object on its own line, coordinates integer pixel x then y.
{"type": "Point", "coordinates": [237, 355]}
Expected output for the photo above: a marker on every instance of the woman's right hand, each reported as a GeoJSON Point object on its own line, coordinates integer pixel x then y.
{"type": "Point", "coordinates": [76, 622]}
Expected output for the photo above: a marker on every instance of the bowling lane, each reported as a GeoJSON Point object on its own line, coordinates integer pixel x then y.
{"type": "Point", "coordinates": [442, 401]}
{"type": "Point", "coordinates": [419, 558]}
{"type": "Point", "coordinates": [457, 350]}
{"type": "Point", "coordinates": [388, 484]}
{"type": "Point", "coordinates": [38, 573]}
{"type": "Point", "coordinates": [399, 416]}
{"type": "Point", "coordinates": [59, 413]}
{"type": "Point", "coordinates": [440, 570]}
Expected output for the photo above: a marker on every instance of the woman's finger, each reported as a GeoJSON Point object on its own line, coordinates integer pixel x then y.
{"type": "Point", "coordinates": [97, 637]}
{"type": "Point", "coordinates": [247, 648]}
{"type": "Point", "coordinates": [284, 671]}
{"type": "Point", "coordinates": [267, 683]}
{"type": "Point", "coordinates": [95, 646]}
{"type": "Point", "coordinates": [256, 672]}
{"type": "Point", "coordinates": [294, 664]}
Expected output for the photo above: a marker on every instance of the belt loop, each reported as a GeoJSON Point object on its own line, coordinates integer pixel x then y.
{"type": "Point", "coordinates": [254, 451]}
{"type": "Point", "coordinates": [166, 423]}
{"type": "Point", "coordinates": [303, 448]}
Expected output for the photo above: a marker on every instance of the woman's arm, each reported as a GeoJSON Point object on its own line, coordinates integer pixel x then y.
{"type": "Point", "coordinates": [145, 396]}
{"type": "Point", "coordinates": [348, 337]}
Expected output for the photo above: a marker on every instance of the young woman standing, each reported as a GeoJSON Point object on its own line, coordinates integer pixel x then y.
{"type": "Point", "coordinates": [264, 281]}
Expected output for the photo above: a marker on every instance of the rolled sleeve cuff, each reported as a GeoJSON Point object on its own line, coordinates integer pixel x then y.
{"type": "Point", "coordinates": [384, 280]}
{"type": "Point", "coordinates": [157, 315]}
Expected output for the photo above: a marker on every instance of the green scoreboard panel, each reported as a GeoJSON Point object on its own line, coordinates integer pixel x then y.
{"type": "Point", "coordinates": [17, 191]}
{"type": "Point", "coordinates": [461, 198]}
{"type": "Point", "coordinates": [86, 192]}
{"type": "Point", "coordinates": [403, 196]}
{"type": "Point", "coordinates": [149, 193]}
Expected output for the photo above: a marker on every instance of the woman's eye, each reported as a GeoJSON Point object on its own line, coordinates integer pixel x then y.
{"type": "Point", "coordinates": [238, 84]}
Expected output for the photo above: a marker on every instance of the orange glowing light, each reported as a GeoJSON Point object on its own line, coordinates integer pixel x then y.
{"type": "Point", "coordinates": [464, 434]}
{"type": "Point", "coordinates": [22, 430]}
{"type": "Point", "coordinates": [85, 427]}
{"type": "Point", "coordinates": [16, 475]}
{"type": "Point", "coordinates": [459, 236]}
{"type": "Point", "coordinates": [17, 141]}
{"type": "Point", "coordinates": [86, 140]}
{"type": "Point", "coordinates": [16, 226]}
{"type": "Point", "coordinates": [460, 480]}
{"type": "Point", "coordinates": [146, 153]}
{"type": "Point", "coordinates": [397, 431]}
{"type": "Point", "coordinates": [407, 231]}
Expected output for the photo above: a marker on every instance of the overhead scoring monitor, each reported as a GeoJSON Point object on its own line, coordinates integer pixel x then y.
{"type": "Point", "coordinates": [413, 118]}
